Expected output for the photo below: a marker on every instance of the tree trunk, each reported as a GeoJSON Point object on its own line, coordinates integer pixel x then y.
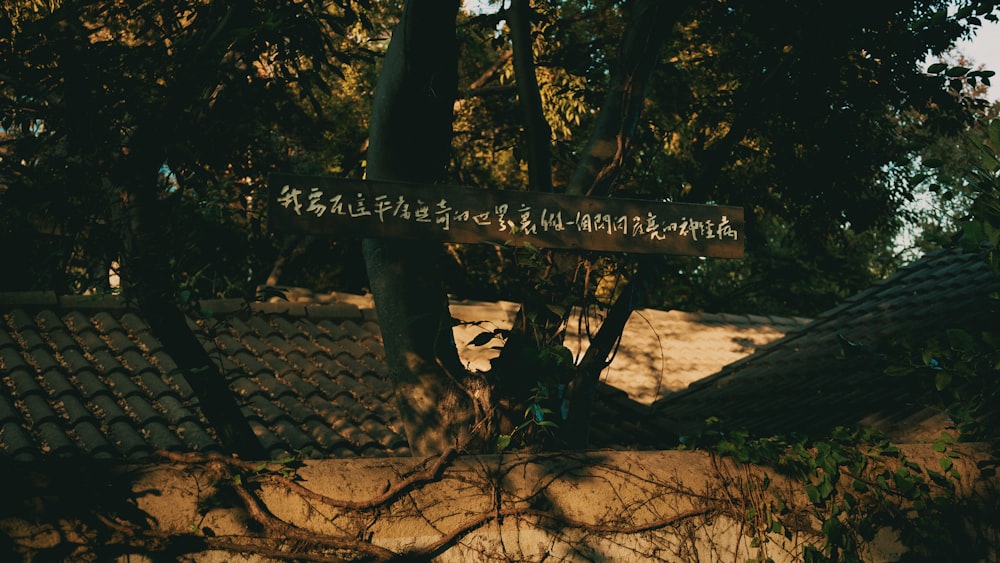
{"type": "Point", "coordinates": [410, 141]}
{"type": "Point", "coordinates": [148, 280]}
{"type": "Point", "coordinates": [602, 160]}
{"type": "Point", "coordinates": [600, 166]}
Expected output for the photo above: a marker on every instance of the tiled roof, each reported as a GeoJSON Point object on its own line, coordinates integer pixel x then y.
{"type": "Point", "coordinates": [831, 372]}
{"type": "Point", "coordinates": [84, 376]}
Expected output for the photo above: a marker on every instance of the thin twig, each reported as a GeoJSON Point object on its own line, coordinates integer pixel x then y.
{"type": "Point", "coordinates": [452, 537]}
{"type": "Point", "coordinates": [262, 516]}
{"type": "Point", "coordinates": [431, 474]}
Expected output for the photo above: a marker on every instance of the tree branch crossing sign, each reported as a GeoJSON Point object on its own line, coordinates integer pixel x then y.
{"type": "Point", "coordinates": [364, 209]}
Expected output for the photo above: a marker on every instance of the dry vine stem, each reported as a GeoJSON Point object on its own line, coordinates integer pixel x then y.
{"type": "Point", "coordinates": [359, 546]}
{"type": "Point", "coordinates": [431, 474]}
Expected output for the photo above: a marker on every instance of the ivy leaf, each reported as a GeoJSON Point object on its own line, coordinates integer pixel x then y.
{"type": "Point", "coordinates": [813, 493]}
{"type": "Point", "coordinates": [946, 464]}
{"type": "Point", "coordinates": [503, 442]}
{"type": "Point", "coordinates": [942, 380]}
{"type": "Point", "coordinates": [825, 488]}
{"type": "Point", "coordinates": [960, 340]}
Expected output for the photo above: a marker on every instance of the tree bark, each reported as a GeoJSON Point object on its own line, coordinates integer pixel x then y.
{"type": "Point", "coordinates": [582, 390]}
{"type": "Point", "coordinates": [538, 134]}
{"type": "Point", "coordinates": [611, 139]}
{"type": "Point", "coordinates": [148, 280]}
{"type": "Point", "coordinates": [598, 169]}
{"type": "Point", "coordinates": [410, 141]}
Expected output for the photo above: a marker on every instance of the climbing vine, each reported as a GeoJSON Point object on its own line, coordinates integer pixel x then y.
{"type": "Point", "coordinates": [857, 483]}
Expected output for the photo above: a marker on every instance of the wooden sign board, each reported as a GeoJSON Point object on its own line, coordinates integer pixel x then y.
{"type": "Point", "coordinates": [363, 209]}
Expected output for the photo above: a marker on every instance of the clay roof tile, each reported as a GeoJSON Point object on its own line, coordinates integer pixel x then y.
{"type": "Point", "coordinates": [23, 382]}
{"type": "Point", "coordinates": [53, 438]}
{"type": "Point", "coordinates": [76, 412]}
{"type": "Point", "coordinates": [93, 441]}
{"type": "Point", "coordinates": [17, 442]}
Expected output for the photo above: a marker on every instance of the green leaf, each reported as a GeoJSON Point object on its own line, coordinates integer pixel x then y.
{"type": "Point", "coordinates": [960, 340]}
{"type": "Point", "coordinates": [956, 71]}
{"type": "Point", "coordinates": [825, 488]}
{"type": "Point", "coordinates": [503, 442]}
{"type": "Point", "coordinates": [936, 68]}
{"type": "Point", "coordinates": [942, 380]}
{"type": "Point", "coordinates": [946, 464]}
{"type": "Point", "coordinates": [904, 481]}
{"type": "Point", "coordinates": [813, 493]}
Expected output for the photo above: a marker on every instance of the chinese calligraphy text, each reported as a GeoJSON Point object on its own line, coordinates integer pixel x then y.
{"type": "Point", "coordinates": [357, 208]}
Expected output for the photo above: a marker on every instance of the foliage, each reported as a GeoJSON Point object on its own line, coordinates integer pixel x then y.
{"type": "Point", "coordinates": [197, 100]}
{"type": "Point", "coordinates": [857, 483]}
{"type": "Point", "coordinates": [734, 116]}
{"type": "Point", "coordinates": [537, 424]}
{"type": "Point", "coordinates": [982, 229]}
{"type": "Point", "coordinates": [257, 97]}
{"type": "Point", "coordinates": [959, 366]}
{"type": "Point", "coordinates": [815, 131]}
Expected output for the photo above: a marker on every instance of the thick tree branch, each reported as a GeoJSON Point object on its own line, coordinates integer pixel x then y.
{"type": "Point", "coordinates": [491, 73]}
{"type": "Point", "coordinates": [611, 139]}
{"type": "Point", "coordinates": [149, 281]}
{"type": "Point", "coordinates": [582, 390]}
{"type": "Point", "coordinates": [538, 134]}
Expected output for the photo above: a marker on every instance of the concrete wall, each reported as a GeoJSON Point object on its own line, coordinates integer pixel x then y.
{"type": "Point", "coordinates": [596, 506]}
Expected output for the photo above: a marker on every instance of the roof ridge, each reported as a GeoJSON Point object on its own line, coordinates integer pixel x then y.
{"type": "Point", "coordinates": [48, 299]}
{"type": "Point", "coordinates": [924, 262]}
{"type": "Point", "coordinates": [827, 316]}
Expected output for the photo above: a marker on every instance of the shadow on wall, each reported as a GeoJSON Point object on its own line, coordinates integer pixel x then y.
{"type": "Point", "coordinates": [602, 505]}
{"type": "Point", "coordinates": [70, 509]}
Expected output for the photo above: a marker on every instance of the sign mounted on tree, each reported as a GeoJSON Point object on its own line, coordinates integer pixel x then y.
{"type": "Point", "coordinates": [363, 209]}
